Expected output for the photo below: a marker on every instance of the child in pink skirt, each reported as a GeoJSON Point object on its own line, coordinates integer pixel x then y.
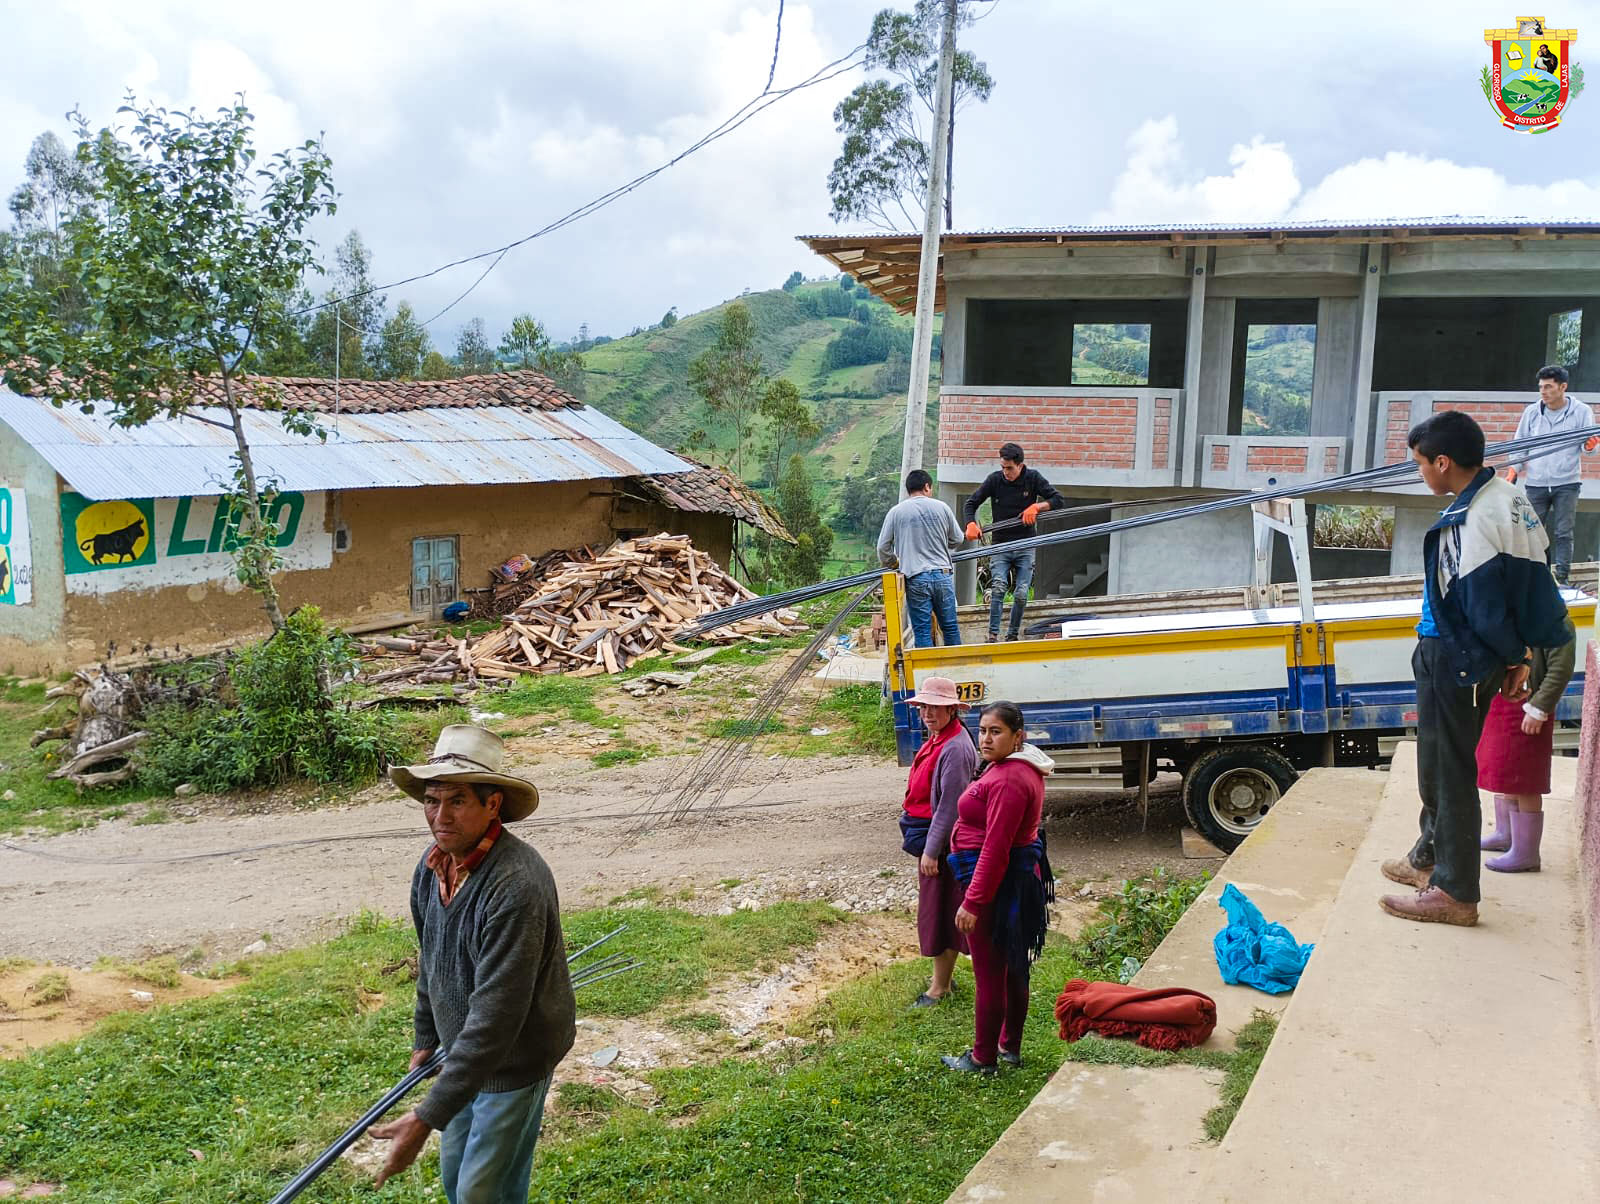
{"type": "Point", "coordinates": [1514, 758]}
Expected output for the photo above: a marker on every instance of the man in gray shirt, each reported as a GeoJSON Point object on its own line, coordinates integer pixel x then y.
{"type": "Point", "coordinates": [917, 538]}
{"type": "Point", "coordinates": [1552, 480]}
{"type": "Point", "coordinates": [492, 983]}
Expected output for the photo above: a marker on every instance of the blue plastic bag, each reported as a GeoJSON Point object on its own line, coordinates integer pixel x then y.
{"type": "Point", "coordinates": [1254, 952]}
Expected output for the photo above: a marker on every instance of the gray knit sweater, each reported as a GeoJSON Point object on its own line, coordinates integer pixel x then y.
{"type": "Point", "coordinates": [492, 983]}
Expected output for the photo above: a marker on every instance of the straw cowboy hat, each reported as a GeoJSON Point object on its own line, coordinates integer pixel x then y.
{"type": "Point", "coordinates": [468, 753]}
{"type": "Point", "coordinates": [937, 692]}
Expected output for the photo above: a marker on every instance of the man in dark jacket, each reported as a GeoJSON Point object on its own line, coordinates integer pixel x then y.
{"type": "Point", "coordinates": [1487, 598]}
{"type": "Point", "coordinates": [1015, 491]}
{"type": "Point", "coordinates": [492, 983]}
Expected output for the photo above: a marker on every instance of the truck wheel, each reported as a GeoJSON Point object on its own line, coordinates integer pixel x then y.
{"type": "Point", "coordinates": [1230, 789]}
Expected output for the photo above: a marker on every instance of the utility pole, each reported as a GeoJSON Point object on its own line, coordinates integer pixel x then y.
{"type": "Point", "coordinates": [928, 273]}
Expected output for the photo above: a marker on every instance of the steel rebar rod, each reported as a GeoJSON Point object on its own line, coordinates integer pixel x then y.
{"type": "Point", "coordinates": [1403, 472]}
{"type": "Point", "coordinates": [351, 1135]}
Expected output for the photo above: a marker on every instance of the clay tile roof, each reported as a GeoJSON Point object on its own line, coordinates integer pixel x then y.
{"type": "Point", "coordinates": [708, 490]}
{"type": "Point", "coordinates": [520, 388]}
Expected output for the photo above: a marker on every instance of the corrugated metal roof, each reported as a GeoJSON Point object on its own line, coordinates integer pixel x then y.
{"type": "Point", "coordinates": [461, 446]}
{"type": "Point", "coordinates": [1447, 221]}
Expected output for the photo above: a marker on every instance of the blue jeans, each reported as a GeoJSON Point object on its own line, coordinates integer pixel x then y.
{"type": "Point", "coordinates": [1001, 566]}
{"type": "Point", "coordinates": [1557, 508]}
{"type": "Point", "coordinates": [928, 594]}
{"type": "Point", "coordinates": [486, 1152]}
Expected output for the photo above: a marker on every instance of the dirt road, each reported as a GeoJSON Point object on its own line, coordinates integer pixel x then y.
{"type": "Point", "coordinates": [817, 828]}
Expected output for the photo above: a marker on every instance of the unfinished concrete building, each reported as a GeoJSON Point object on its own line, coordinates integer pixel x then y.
{"type": "Point", "coordinates": [1394, 320]}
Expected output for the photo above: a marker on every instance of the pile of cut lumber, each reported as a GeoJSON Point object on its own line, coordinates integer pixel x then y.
{"type": "Point", "coordinates": [505, 594]}
{"type": "Point", "coordinates": [588, 617]}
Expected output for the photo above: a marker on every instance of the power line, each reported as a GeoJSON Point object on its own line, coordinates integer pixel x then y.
{"type": "Point", "coordinates": [757, 104]}
{"type": "Point", "coordinates": [776, 42]}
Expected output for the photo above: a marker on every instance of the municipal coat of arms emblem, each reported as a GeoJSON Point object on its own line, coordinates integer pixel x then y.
{"type": "Point", "coordinates": [1531, 78]}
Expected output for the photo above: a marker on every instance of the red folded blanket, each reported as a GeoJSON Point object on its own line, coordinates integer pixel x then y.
{"type": "Point", "coordinates": [1171, 1018]}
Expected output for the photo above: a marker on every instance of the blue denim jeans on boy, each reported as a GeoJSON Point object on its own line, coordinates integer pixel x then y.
{"type": "Point", "coordinates": [1003, 565]}
{"type": "Point", "coordinates": [927, 594]}
{"type": "Point", "coordinates": [1557, 508]}
{"type": "Point", "coordinates": [486, 1152]}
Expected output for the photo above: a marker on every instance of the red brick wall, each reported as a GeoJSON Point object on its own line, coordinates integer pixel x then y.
{"type": "Point", "coordinates": [1276, 459]}
{"type": "Point", "coordinates": [1161, 433]}
{"type": "Point", "coordinates": [1219, 456]}
{"type": "Point", "coordinates": [1394, 439]}
{"type": "Point", "coordinates": [1054, 431]}
{"type": "Point", "coordinates": [1330, 461]}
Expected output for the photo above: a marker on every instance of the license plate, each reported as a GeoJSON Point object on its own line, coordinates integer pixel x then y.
{"type": "Point", "coordinates": [970, 691]}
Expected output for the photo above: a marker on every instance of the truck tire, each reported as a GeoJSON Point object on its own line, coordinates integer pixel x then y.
{"type": "Point", "coordinates": [1229, 790]}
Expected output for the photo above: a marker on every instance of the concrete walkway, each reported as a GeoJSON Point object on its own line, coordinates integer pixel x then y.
{"type": "Point", "coordinates": [1115, 1133]}
{"type": "Point", "coordinates": [1423, 1063]}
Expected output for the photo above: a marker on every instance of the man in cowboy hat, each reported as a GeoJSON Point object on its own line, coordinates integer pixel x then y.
{"type": "Point", "coordinates": [492, 984]}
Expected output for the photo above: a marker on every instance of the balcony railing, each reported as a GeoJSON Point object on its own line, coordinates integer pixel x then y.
{"type": "Point", "coordinates": [1256, 461]}
{"type": "Point", "coordinates": [1397, 411]}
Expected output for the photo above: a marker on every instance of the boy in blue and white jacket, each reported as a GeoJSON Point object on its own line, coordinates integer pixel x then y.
{"type": "Point", "coordinates": [1487, 598]}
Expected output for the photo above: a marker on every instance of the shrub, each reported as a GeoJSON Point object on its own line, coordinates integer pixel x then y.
{"type": "Point", "coordinates": [1136, 919]}
{"type": "Point", "coordinates": [278, 718]}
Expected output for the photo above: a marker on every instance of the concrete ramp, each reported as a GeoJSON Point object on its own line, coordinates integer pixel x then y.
{"type": "Point", "coordinates": [1423, 1063]}
{"type": "Point", "coordinates": [1114, 1133]}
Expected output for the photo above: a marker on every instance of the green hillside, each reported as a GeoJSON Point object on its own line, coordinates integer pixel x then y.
{"type": "Point", "coordinates": [642, 381]}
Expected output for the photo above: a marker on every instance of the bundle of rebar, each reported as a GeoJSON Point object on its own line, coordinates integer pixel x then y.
{"type": "Point", "coordinates": [1387, 476]}
{"type": "Point", "coordinates": [705, 782]}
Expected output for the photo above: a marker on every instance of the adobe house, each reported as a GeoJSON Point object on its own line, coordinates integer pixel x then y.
{"type": "Point", "coordinates": [1405, 317]}
{"type": "Point", "coordinates": [114, 541]}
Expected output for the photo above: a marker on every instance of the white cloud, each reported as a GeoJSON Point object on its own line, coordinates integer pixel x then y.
{"type": "Point", "coordinates": [1152, 186]}
{"type": "Point", "coordinates": [1405, 185]}
{"type": "Point", "coordinates": [1263, 185]}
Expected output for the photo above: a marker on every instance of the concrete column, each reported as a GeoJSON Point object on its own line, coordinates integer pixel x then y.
{"type": "Point", "coordinates": [1411, 523]}
{"type": "Point", "coordinates": [1361, 454]}
{"type": "Point", "coordinates": [966, 570]}
{"type": "Point", "coordinates": [1190, 439]}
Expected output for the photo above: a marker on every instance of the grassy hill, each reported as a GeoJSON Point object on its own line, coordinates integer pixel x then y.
{"type": "Point", "coordinates": [642, 381]}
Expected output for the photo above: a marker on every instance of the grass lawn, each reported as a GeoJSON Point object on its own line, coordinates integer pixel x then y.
{"type": "Point", "coordinates": [225, 1099]}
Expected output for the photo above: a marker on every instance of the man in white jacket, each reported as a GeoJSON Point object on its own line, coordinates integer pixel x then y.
{"type": "Point", "coordinates": [1552, 480]}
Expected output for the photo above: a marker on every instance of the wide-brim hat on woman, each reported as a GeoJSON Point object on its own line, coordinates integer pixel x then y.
{"type": "Point", "coordinates": [468, 753]}
{"type": "Point", "coordinates": [936, 692]}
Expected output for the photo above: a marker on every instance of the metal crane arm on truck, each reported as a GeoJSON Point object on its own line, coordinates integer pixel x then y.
{"type": "Point", "coordinates": [1238, 701]}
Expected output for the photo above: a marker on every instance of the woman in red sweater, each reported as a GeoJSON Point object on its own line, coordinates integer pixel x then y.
{"type": "Point", "coordinates": [997, 855]}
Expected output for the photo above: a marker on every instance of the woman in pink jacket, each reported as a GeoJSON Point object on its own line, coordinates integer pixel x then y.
{"type": "Point", "coordinates": [997, 855]}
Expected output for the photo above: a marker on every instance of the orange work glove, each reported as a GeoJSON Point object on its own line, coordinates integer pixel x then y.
{"type": "Point", "coordinates": [973, 532]}
{"type": "Point", "coordinates": [1511, 474]}
{"type": "Point", "coordinates": [1031, 514]}
{"type": "Point", "coordinates": [1591, 444]}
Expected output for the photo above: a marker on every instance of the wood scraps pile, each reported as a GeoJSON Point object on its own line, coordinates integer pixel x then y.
{"type": "Point", "coordinates": [586, 617]}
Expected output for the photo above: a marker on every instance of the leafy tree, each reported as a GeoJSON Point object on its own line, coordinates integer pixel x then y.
{"type": "Point", "coordinates": [895, 375]}
{"type": "Point", "coordinates": [729, 378]}
{"type": "Point", "coordinates": [183, 263]}
{"type": "Point", "coordinates": [520, 346]}
{"type": "Point", "coordinates": [847, 283]}
{"type": "Point", "coordinates": [791, 425]}
{"type": "Point", "coordinates": [343, 336]}
{"type": "Point", "coordinates": [670, 318]}
{"type": "Point", "coordinates": [803, 562]}
{"type": "Point", "coordinates": [864, 500]}
{"type": "Point", "coordinates": [56, 186]}
{"type": "Point", "coordinates": [881, 174]}
{"type": "Point", "coordinates": [796, 279]}
{"type": "Point", "coordinates": [473, 354]}
{"type": "Point", "coordinates": [436, 367]}
{"type": "Point", "coordinates": [402, 346]}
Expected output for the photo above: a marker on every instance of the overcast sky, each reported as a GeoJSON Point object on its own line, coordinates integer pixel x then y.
{"type": "Point", "coordinates": [455, 128]}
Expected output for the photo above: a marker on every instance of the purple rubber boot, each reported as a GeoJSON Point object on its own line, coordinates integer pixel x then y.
{"type": "Point", "coordinates": [1526, 829]}
{"type": "Point", "coordinates": [1500, 840]}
